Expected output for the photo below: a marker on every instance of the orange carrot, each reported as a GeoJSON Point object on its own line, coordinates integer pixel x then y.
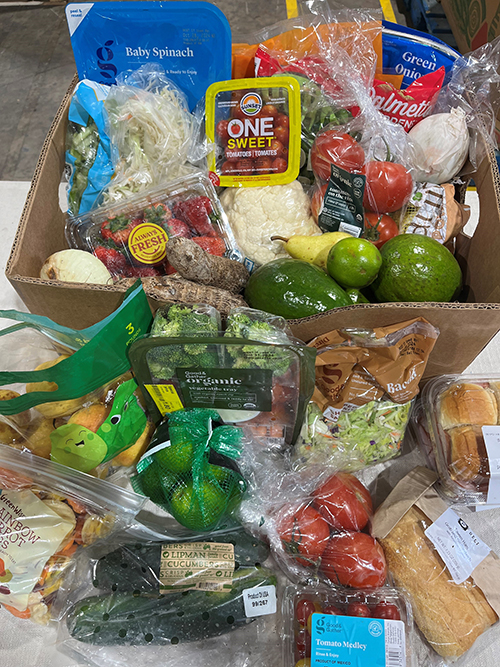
{"type": "Point", "coordinates": [16, 612]}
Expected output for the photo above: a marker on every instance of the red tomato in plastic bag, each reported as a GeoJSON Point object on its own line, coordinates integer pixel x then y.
{"type": "Point", "coordinates": [379, 228]}
{"type": "Point", "coordinates": [354, 559]}
{"type": "Point", "coordinates": [303, 531]}
{"type": "Point", "coordinates": [388, 186]}
{"type": "Point", "coordinates": [317, 200]}
{"type": "Point", "coordinates": [333, 147]}
{"type": "Point", "coordinates": [344, 502]}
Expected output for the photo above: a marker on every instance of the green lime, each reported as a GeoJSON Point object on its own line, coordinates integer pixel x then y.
{"type": "Point", "coordinates": [149, 482]}
{"type": "Point", "coordinates": [198, 512]}
{"type": "Point", "coordinates": [356, 296]}
{"type": "Point", "coordinates": [168, 482]}
{"type": "Point", "coordinates": [177, 457]}
{"type": "Point", "coordinates": [231, 482]}
{"type": "Point", "coordinates": [354, 262]}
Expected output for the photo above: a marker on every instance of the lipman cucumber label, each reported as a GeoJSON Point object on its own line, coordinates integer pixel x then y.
{"type": "Point", "coordinates": [207, 566]}
{"type": "Point", "coordinates": [229, 388]}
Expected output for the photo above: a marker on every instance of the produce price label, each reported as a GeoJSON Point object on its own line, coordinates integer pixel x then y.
{"type": "Point", "coordinates": [226, 388]}
{"type": "Point", "coordinates": [491, 436]}
{"type": "Point", "coordinates": [206, 566]}
{"type": "Point", "coordinates": [459, 547]}
{"type": "Point", "coordinates": [357, 641]}
{"type": "Point", "coordinates": [343, 203]}
{"type": "Point", "coordinates": [259, 601]}
{"type": "Point", "coordinates": [165, 397]}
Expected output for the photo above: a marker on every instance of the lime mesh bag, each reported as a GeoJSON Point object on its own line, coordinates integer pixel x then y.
{"type": "Point", "coordinates": [190, 468]}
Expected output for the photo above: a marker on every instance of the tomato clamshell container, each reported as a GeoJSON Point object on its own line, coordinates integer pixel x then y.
{"type": "Point", "coordinates": [130, 237]}
{"type": "Point", "coordinates": [335, 626]}
{"type": "Point", "coordinates": [461, 417]}
{"type": "Point", "coordinates": [254, 125]}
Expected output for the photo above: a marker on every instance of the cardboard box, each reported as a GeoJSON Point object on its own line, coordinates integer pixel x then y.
{"type": "Point", "coordinates": [473, 22]}
{"type": "Point", "coordinates": [465, 327]}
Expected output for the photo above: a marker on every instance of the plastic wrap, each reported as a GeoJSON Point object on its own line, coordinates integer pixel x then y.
{"type": "Point", "coordinates": [130, 236]}
{"type": "Point", "coordinates": [461, 416]}
{"type": "Point", "coordinates": [117, 620]}
{"type": "Point", "coordinates": [47, 513]}
{"type": "Point", "coordinates": [352, 634]}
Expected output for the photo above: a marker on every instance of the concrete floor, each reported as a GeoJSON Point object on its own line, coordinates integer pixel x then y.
{"type": "Point", "coordinates": [37, 65]}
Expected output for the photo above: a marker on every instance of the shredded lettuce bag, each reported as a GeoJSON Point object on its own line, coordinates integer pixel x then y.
{"type": "Point", "coordinates": [190, 470]}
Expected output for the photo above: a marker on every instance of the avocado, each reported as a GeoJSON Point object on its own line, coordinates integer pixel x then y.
{"type": "Point", "coordinates": [417, 268]}
{"type": "Point", "coordinates": [293, 289]}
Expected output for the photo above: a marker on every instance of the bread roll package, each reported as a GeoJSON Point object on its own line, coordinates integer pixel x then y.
{"type": "Point", "coordinates": [450, 575]}
{"type": "Point", "coordinates": [461, 415]}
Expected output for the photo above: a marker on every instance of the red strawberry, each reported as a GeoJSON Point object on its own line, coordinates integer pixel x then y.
{"type": "Point", "coordinates": [142, 271]}
{"type": "Point", "coordinates": [176, 227]}
{"type": "Point", "coordinates": [197, 212]}
{"type": "Point", "coordinates": [112, 259]}
{"type": "Point", "coordinates": [157, 214]}
{"type": "Point", "coordinates": [214, 246]}
{"type": "Point", "coordinates": [118, 229]}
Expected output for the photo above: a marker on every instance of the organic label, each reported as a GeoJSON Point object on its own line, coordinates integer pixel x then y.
{"type": "Point", "coordinates": [357, 641]}
{"type": "Point", "coordinates": [259, 601]}
{"type": "Point", "coordinates": [147, 243]}
{"type": "Point", "coordinates": [30, 533]}
{"type": "Point", "coordinates": [491, 436]}
{"type": "Point", "coordinates": [165, 397]}
{"type": "Point", "coordinates": [227, 388]}
{"type": "Point", "coordinates": [458, 546]}
{"type": "Point", "coordinates": [207, 566]}
{"type": "Point", "coordinates": [342, 208]}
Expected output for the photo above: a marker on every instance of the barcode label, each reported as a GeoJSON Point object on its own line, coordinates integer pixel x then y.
{"type": "Point", "coordinates": [165, 397]}
{"type": "Point", "coordinates": [395, 645]}
{"type": "Point", "coordinates": [350, 229]}
{"type": "Point", "coordinates": [210, 586]}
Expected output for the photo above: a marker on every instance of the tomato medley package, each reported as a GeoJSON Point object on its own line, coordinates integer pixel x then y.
{"type": "Point", "coordinates": [255, 124]}
{"type": "Point", "coordinates": [130, 237]}
{"type": "Point", "coordinates": [360, 628]}
{"type": "Point", "coordinates": [48, 513]}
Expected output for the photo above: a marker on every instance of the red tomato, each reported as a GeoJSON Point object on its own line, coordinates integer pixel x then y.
{"type": "Point", "coordinates": [303, 531]}
{"type": "Point", "coordinates": [238, 113]}
{"type": "Point", "coordinates": [269, 110]}
{"type": "Point", "coordinates": [332, 147]}
{"type": "Point", "coordinates": [263, 165]}
{"type": "Point", "coordinates": [277, 148]}
{"type": "Point", "coordinates": [228, 168]}
{"type": "Point", "coordinates": [388, 186]}
{"type": "Point", "coordinates": [358, 609]}
{"type": "Point", "coordinates": [245, 166]}
{"type": "Point", "coordinates": [279, 166]}
{"type": "Point", "coordinates": [379, 228]}
{"type": "Point", "coordinates": [304, 609]}
{"type": "Point", "coordinates": [231, 154]}
{"type": "Point", "coordinates": [317, 200]}
{"type": "Point", "coordinates": [303, 643]}
{"type": "Point", "coordinates": [344, 502]}
{"type": "Point", "coordinates": [221, 130]}
{"type": "Point", "coordinates": [386, 610]}
{"type": "Point", "coordinates": [282, 134]}
{"type": "Point", "coordinates": [283, 120]}
{"type": "Point", "coordinates": [334, 611]}
{"type": "Point", "coordinates": [354, 559]}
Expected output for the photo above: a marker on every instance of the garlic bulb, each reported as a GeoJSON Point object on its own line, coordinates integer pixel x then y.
{"type": "Point", "coordinates": [441, 143]}
{"type": "Point", "coordinates": [75, 266]}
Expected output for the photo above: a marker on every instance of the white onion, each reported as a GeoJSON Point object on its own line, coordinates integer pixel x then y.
{"type": "Point", "coordinates": [75, 266]}
{"type": "Point", "coordinates": [441, 143]}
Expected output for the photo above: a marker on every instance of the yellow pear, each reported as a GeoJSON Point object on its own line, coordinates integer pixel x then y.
{"type": "Point", "coordinates": [313, 249]}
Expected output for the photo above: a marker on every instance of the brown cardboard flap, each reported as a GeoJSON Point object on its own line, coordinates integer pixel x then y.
{"type": "Point", "coordinates": [403, 496]}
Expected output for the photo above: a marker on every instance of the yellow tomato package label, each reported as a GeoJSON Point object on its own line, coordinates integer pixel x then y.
{"type": "Point", "coordinates": [30, 533]}
{"type": "Point", "coordinates": [254, 125]}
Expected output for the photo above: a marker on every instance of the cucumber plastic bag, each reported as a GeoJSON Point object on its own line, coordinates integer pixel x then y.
{"type": "Point", "coordinates": [47, 514]}
{"type": "Point", "coordinates": [189, 469]}
{"type": "Point", "coordinates": [78, 407]}
{"type": "Point", "coordinates": [255, 374]}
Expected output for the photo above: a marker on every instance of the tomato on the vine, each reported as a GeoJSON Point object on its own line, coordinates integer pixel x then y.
{"type": "Point", "coordinates": [386, 610]}
{"type": "Point", "coordinates": [379, 228]}
{"type": "Point", "coordinates": [303, 532]}
{"type": "Point", "coordinates": [344, 502]}
{"type": "Point", "coordinates": [354, 559]}
{"type": "Point", "coordinates": [334, 147]}
{"type": "Point", "coordinates": [221, 130]}
{"type": "Point", "coordinates": [304, 610]}
{"type": "Point", "coordinates": [358, 609]}
{"type": "Point", "coordinates": [388, 186]}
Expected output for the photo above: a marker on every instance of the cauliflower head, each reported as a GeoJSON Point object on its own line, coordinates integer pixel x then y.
{"type": "Point", "coordinates": [256, 214]}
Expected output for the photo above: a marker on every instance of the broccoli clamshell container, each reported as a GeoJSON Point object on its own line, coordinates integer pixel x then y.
{"type": "Point", "coordinates": [254, 373]}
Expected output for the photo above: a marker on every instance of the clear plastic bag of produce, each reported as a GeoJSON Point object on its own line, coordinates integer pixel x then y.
{"type": "Point", "coordinates": [364, 627]}
{"type": "Point", "coordinates": [151, 131]}
{"type": "Point", "coordinates": [49, 513]}
{"type": "Point", "coordinates": [130, 236]}
{"type": "Point", "coordinates": [81, 408]}
{"type": "Point", "coordinates": [254, 374]}
{"type": "Point", "coordinates": [153, 615]}
{"type": "Point", "coordinates": [365, 383]}
{"type": "Point", "coordinates": [448, 572]}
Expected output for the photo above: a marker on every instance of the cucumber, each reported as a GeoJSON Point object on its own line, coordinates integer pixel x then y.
{"type": "Point", "coordinates": [135, 567]}
{"type": "Point", "coordinates": [138, 619]}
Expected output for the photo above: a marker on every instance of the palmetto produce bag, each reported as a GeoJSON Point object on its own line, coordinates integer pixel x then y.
{"type": "Point", "coordinates": [190, 468]}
